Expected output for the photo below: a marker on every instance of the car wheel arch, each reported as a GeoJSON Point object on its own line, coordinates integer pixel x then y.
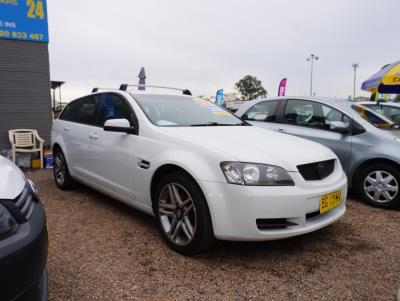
{"type": "Point", "coordinates": [363, 164]}
{"type": "Point", "coordinates": [165, 169]}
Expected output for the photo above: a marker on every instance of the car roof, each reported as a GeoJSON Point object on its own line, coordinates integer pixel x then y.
{"type": "Point", "coordinates": [335, 102]}
{"type": "Point", "coordinates": [383, 103]}
{"type": "Point", "coordinates": [341, 104]}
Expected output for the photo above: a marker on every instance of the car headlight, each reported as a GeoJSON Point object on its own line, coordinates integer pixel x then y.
{"type": "Point", "coordinates": [33, 190]}
{"type": "Point", "coordinates": [253, 174]}
{"type": "Point", "coordinates": [8, 224]}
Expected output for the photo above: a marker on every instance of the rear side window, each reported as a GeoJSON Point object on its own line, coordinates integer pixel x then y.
{"type": "Point", "coordinates": [262, 111]}
{"type": "Point", "coordinates": [86, 110]}
{"type": "Point", "coordinates": [67, 113]}
{"type": "Point", "coordinates": [114, 107]}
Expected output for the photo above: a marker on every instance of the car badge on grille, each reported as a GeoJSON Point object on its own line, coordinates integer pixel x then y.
{"type": "Point", "coordinates": [321, 169]}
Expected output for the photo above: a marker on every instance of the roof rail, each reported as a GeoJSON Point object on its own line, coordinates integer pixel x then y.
{"type": "Point", "coordinates": [124, 87]}
{"type": "Point", "coordinates": [96, 89]}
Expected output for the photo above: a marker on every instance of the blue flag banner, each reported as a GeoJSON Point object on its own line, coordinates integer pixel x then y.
{"type": "Point", "coordinates": [24, 20]}
{"type": "Point", "coordinates": [219, 97]}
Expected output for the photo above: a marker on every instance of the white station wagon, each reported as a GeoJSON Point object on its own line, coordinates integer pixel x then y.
{"type": "Point", "coordinates": [202, 172]}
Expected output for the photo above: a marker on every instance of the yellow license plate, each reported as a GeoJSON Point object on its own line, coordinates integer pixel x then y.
{"type": "Point", "coordinates": [330, 201]}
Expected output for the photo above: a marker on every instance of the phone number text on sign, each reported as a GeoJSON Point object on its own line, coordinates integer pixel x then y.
{"type": "Point", "coordinates": [21, 35]}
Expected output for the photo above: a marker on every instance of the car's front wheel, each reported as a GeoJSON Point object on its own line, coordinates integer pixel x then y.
{"type": "Point", "coordinates": [183, 215]}
{"type": "Point", "coordinates": [61, 172]}
{"type": "Point", "coordinates": [379, 185]}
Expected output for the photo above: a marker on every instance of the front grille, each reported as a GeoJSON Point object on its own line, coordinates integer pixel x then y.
{"type": "Point", "coordinates": [273, 223]}
{"type": "Point", "coordinates": [316, 171]}
{"type": "Point", "coordinates": [21, 207]}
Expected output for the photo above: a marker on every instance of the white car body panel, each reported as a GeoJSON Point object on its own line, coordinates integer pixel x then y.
{"type": "Point", "coordinates": [110, 163]}
{"type": "Point", "coordinates": [12, 179]}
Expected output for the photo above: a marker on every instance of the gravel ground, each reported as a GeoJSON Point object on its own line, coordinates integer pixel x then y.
{"type": "Point", "coordinates": [103, 250]}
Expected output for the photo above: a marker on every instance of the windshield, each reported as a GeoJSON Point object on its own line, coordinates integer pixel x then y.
{"type": "Point", "coordinates": [373, 118]}
{"type": "Point", "coordinates": [391, 112]}
{"type": "Point", "coordinates": [168, 110]}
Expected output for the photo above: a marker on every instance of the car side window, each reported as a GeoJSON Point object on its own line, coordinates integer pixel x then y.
{"type": "Point", "coordinates": [114, 107]}
{"type": "Point", "coordinates": [312, 114]}
{"type": "Point", "coordinates": [67, 113]}
{"type": "Point", "coordinates": [302, 113]}
{"type": "Point", "coordinates": [262, 111]}
{"type": "Point", "coordinates": [86, 110]}
{"type": "Point", "coordinates": [331, 114]}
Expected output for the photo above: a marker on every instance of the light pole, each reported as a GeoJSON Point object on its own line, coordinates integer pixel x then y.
{"type": "Point", "coordinates": [311, 58]}
{"type": "Point", "coordinates": [355, 65]}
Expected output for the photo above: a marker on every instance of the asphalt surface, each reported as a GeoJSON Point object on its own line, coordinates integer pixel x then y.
{"type": "Point", "coordinates": [103, 250]}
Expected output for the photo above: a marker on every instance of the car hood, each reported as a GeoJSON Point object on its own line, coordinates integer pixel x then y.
{"type": "Point", "coordinates": [12, 180]}
{"type": "Point", "coordinates": [253, 144]}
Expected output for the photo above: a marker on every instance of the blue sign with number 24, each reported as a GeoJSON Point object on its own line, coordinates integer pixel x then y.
{"type": "Point", "coordinates": [24, 20]}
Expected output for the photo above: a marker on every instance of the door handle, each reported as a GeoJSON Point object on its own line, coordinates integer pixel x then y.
{"type": "Point", "coordinates": [280, 131]}
{"type": "Point", "coordinates": [94, 136]}
{"type": "Point", "coordinates": [67, 128]}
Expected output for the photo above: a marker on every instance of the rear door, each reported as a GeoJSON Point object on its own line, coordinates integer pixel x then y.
{"type": "Point", "coordinates": [311, 120]}
{"type": "Point", "coordinates": [82, 132]}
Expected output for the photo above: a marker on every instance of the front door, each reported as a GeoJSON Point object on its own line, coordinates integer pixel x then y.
{"type": "Point", "coordinates": [114, 152]}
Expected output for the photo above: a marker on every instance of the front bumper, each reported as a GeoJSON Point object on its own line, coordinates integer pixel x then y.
{"type": "Point", "coordinates": [23, 257]}
{"type": "Point", "coordinates": [235, 209]}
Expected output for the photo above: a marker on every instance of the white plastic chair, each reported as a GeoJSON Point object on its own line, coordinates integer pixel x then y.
{"type": "Point", "coordinates": [26, 141]}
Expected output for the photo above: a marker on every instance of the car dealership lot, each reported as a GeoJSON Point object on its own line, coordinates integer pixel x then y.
{"type": "Point", "coordinates": [101, 249]}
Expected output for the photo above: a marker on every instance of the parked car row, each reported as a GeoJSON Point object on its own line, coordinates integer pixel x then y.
{"type": "Point", "coordinates": [204, 173]}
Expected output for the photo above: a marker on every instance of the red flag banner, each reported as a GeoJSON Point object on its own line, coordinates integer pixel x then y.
{"type": "Point", "coordinates": [282, 87]}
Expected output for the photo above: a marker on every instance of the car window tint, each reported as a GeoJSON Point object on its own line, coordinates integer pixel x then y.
{"type": "Point", "coordinates": [313, 114]}
{"type": "Point", "coordinates": [86, 111]}
{"type": "Point", "coordinates": [302, 112]}
{"type": "Point", "coordinates": [390, 112]}
{"type": "Point", "coordinates": [262, 111]}
{"type": "Point", "coordinates": [114, 107]}
{"type": "Point", "coordinates": [67, 113]}
{"type": "Point", "coordinates": [331, 114]}
{"type": "Point", "coordinates": [371, 117]}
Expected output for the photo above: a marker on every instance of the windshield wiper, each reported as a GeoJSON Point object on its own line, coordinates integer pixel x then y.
{"type": "Point", "coordinates": [218, 124]}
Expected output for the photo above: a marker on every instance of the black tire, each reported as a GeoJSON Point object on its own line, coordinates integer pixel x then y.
{"type": "Point", "coordinates": [60, 169]}
{"type": "Point", "coordinates": [363, 183]}
{"type": "Point", "coordinates": [202, 232]}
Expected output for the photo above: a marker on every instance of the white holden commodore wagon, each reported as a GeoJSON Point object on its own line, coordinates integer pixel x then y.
{"type": "Point", "coordinates": [202, 172]}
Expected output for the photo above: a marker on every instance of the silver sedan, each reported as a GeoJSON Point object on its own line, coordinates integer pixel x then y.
{"type": "Point", "coordinates": [367, 144]}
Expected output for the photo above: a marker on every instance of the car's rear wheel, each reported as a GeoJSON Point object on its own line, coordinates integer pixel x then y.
{"type": "Point", "coordinates": [183, 215]}
{"type": "Point", "coordinates": [61, 172]}
{"type": "Point", "coordinates": [379, 185]}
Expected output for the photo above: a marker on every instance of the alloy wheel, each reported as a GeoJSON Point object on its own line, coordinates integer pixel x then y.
{"type": "Point", "coordinates": [381, 186]}
{"type": "Point", "coordinates": [177, 214]}
{"type": "Point", "coordinates": [59, 168]}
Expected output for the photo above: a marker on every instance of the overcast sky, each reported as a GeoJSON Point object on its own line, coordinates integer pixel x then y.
{"type": "Point", "coordinates": [205, 45]}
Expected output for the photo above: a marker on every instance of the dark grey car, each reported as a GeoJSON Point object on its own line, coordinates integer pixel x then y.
{"type": "Point", "coordinates": [367, 144]}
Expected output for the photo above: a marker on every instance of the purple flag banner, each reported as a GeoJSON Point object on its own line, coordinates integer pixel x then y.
{"type": "Point", "coordinates": [282, 87]}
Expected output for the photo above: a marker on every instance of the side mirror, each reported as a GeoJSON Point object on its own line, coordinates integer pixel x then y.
{"type": "Point", "coordinates": [339, 126]}
{"type": "Point", "coordinates": [118, 125]}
